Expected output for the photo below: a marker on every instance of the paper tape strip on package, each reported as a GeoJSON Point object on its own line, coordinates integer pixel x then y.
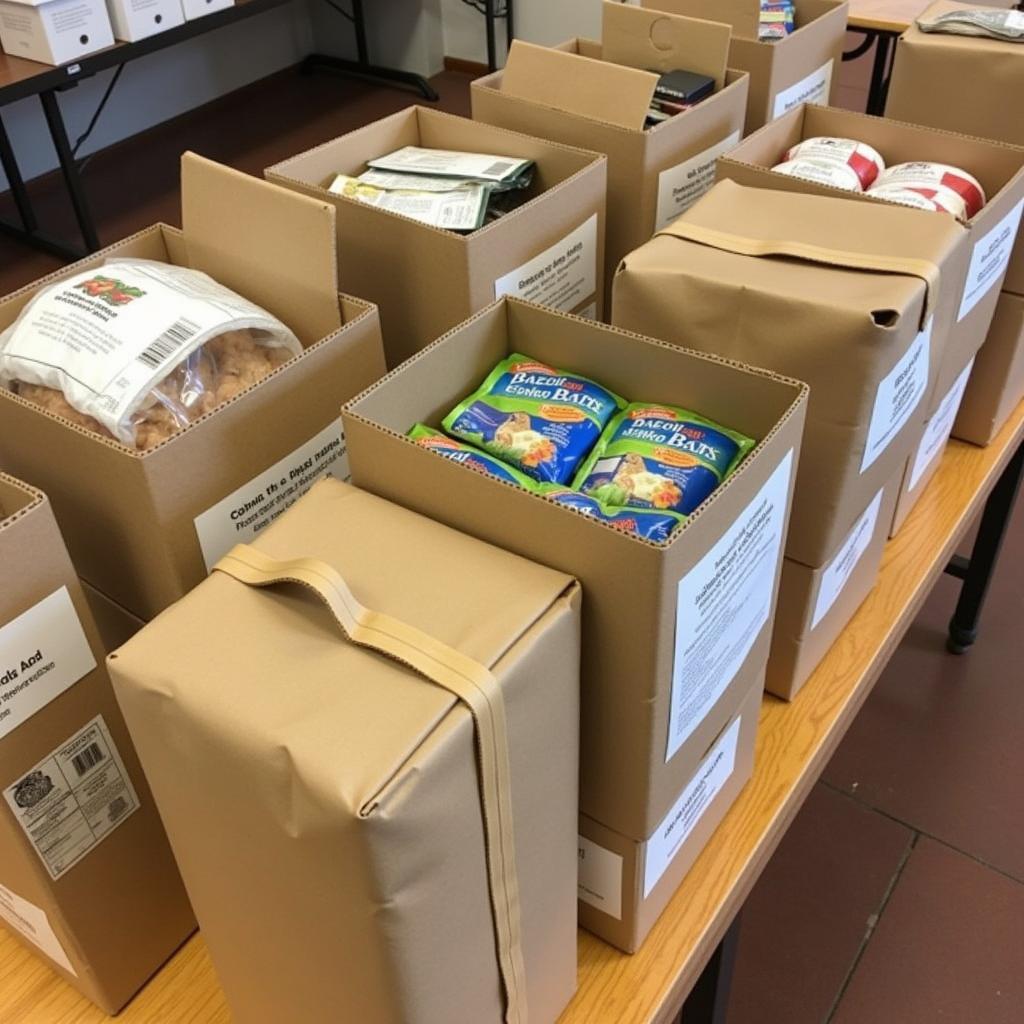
{"type": "Point", "coordinates": [362, 733]}
{"type": "Point", "coordinates": [87, 878]}
{"type": "Point", "coordinates": [678, 605]}
{"type": "Point", "coordinates": [426, 278]}
{"type": "Point", "coordinates": [846, 296]}
{"type": "Point", "coordinates": [801, 67]}
{"type": "Point", "coordinates": [597, 95]}
{"type": "Point", "coordinates": [910, 151]}
{"type": "Point", "coordinates": [176, 391]}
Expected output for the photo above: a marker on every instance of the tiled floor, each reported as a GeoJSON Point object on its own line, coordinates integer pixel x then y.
{"type": "Point", "coordinates": [897, 897]}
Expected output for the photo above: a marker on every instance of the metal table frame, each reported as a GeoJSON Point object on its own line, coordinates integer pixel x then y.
{"type": "Point", "coordinates": [881, 68]}
{"type": "Point", "coordinates": [50, 81]}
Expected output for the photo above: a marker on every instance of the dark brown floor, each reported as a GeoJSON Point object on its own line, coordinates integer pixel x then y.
{"type": "Point", "coordinates": [897, 897]}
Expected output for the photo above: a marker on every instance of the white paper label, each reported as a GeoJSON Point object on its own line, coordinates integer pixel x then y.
{"type": "Point", "coordinates": [989, 258]}
{"type": "Point", "coordinates": [590, 312]}
{"type": "Point", "coordinates": [600, 878]}
{"type": "Point", "coordinates": [562, 277]}
{"type": "Point", "coordinates": [840, 569]}
{"type": "Point", "coordinates": [42, 652]}
{"type": "Point", "coordinates": [681, 186]}
{"type": "Point", "coordinates": [237, 518]}
{"type": "Point", "coordinates": [722, 603]}
{"type": "Point", "coordinates": [30, 921]}
{"type": "Point", "coordinates": [74, 798]}
{"type": "Point", "coordinates": [451, 163]}
{"type": "Point", "coordinates": [675, 828]}
{"type": "Point", "coordinates": [812, 89]}
{"type": "Point", "coordinates": [898, 396]}
{"type": "Point", "coordinates": [455, 209]}
{"type": "Point", "coordinates": [939, 427]}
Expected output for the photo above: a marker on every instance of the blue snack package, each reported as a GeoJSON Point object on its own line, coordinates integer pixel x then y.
{"type": "Point", "coordinates": [539, 419]}
{"type": "Point", "coordinates": [647, 524]}
{"type": "Point", "coordinates": [468, 456]}
{"type": "Point", "coordinates": [661, 457]}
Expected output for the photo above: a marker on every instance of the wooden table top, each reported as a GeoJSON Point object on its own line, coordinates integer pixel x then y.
{"type": "Point", "coordinates": [794, 743]}
{"type": "Point", "coordinates": [886, 15]}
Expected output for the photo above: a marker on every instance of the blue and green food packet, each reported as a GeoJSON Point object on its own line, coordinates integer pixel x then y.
{"type": "Point", "coordinates": [648, 524]}
{"type": "Point", "coordinates": [539, 419]}
{"type": "Point", "coordinates": [660, 457]}
{"type": "Point", "coordinates": [468, 456]}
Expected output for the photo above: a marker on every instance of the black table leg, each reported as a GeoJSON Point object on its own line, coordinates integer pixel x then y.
{"type": "Point", "coordinates": [709, 999]}
{"type": "Point", "coordinates": [492, 49]}
{"type": "Point", "coordinates": [879, 74]}
{"type": "Point", "coordinates": [16, 183]}
{"type": "Point", "coordinates": [510, 30]}
{"type": "Point", "coordinates": [977, 572]}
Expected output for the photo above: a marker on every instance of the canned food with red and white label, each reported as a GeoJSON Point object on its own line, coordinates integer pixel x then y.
{"type": "Point", "coordinates": [926, 177]}
{"type": "Point", "coordinates": [823, 172]}
{"type": "Point", "coordinates": [865, 161]}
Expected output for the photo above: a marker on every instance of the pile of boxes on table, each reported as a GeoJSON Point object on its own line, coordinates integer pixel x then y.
{"type": "Point", "coordinates": [422, 713]}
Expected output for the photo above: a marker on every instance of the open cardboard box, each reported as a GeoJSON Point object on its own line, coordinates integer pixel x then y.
{"type": "Point", "coordinates": [144, 527]}
{"type": "Point", "coordinates": [596, 95]}
{"type": "Point", "coordinates": [87, 877]}
{"type": "Point", "coordinates": [425, 279]}
{"type": "Point", "coordinates": [996, 386]}
{"type": "Point", "coordinates": [846, 296]}
{"type": "Point", "coordinates": [998, 167]}
{"type": "Point", "coordinates": [659, 683]}
{"type": "Point", "coordinates": [625, 884]}
{"type": "Point", "coordinates": [815, 605]}
{"type": "Point", "coordinates": [801, 68]}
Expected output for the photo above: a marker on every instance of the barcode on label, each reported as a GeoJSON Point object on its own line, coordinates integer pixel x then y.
{"type": "Point", "coordinates": [178, 334]}
{"type": "Point", "coordinates": [88, 758]}
{"type": "Point", "coordinates": [499, 168]}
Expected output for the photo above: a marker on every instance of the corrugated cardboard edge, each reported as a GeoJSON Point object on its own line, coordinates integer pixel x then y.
{"type": "Point", "coordinates": [35, 499]}
{"type": "Point", "coordinates": [800, 401]}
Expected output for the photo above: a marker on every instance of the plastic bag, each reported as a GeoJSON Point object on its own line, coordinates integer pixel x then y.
{"type": "Point", "coordinates": [139, 349]}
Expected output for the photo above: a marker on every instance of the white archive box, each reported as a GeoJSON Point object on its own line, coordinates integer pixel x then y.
{"type": "Point", "coordinates": [198, 8]}
{"type": "Point", "coordinates": [54, 31]}
{"type": "Point", "coordinates": [136, 19]}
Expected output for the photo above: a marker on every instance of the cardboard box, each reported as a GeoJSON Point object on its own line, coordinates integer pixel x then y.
{"type": "Point", "coordinates": [144, 527]}
{"type": "Point", "coordinates": [973, 289]}
{"type": "Point", "coordinates": [54, 31]}
{"type": "Point", "coordinates": [996, 386]}
{"type": "Point", "coordinates": [344, 777]}
{"type": "Point", "coordinates": [839, 294]}
{"type": "Point", "coordinates": [927, 451]}
{"type": "Point", "coordinates": [137, 19]}
{"type": "Point", "coordinates": [426, 280]}
{"type": "Point", "coordinates": [624, 885]}
{"type": "Point", "coordinates": [965, 84]}
{"type": "Point", "coordinates": [802, 68]}
{"type": "Point", "coordinates": [193, 9]}
{"type": "Point", "coordinates": [87, 878]}
{"type": "Point", "coordinates": [815, 605]}
{"type": "Point", "coordinates": [658, 681]}
{"type": "Point", "coordinates": [575, 95]}
{"type": "Point", "coordinates": [115, 625]}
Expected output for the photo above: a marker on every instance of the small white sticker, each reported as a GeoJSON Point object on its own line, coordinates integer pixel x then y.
{"type": "Point", "coordinates": [722, 603]}
{"type": "Point", "coordinates": [562, 276]}
{"type": "Point", "coordinates": [940, 426]}
{"type": "Point", "coordinates": [989, 258]}
{"type": "Point", "coordinates": [840, 569]}
{"type": "Point", "coordinates": [74, 798]}
{"type": "Point", "coordinates": [898, 395]}
{"type": "Point", "coordinates": [600, 878]}
{"type": "Point", "coordinates": [681, 186]}
{"type": "Point", "coordinates": [42, 653]}
{"type": "Point", "coordinates": [237, 518]}
{"type": "Point", "coordinates": [31, 921]}
{"type": "Point", "coordinates": [680, 821]}
{"type": "Point", "coordinates": [814, 88]}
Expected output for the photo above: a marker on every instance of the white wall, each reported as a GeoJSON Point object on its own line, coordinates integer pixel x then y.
{"type": "Point", "coordinates": [170, 82]}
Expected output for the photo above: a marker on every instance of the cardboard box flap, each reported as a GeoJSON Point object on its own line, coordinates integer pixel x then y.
{"type": "Point", "coordinates": [611, 93]}
{"type": "Point", "coordinates": [16, 497]}
{"type": "Point", "coordinates": [311, 689]}
{"type": "Point", "coordinates": [742, 15]}
{"type": "Point", "coordinates": [270, 244]}
{"type": "Point", "coordinates": [657, 41]}
{"type": "Point", "coordinates": [766, 223]}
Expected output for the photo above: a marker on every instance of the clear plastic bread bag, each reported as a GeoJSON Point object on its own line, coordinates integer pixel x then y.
{"type": "Point", "coordinates": [139, 349]}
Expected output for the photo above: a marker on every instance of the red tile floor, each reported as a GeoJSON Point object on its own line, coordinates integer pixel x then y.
{"type": "Point", "coordinates": [897, 896]}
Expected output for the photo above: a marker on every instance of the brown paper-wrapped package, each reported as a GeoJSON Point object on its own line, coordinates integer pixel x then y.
{"type": "Point", "coordinates": [328, 804]}
{"type": "Point", "coordinates": [845, 296]}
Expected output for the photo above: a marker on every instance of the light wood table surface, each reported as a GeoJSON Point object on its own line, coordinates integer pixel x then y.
{"type": "Point", "coordinates": [794, 743]}
{"type": "Point", "coordinates": [894, 16]}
